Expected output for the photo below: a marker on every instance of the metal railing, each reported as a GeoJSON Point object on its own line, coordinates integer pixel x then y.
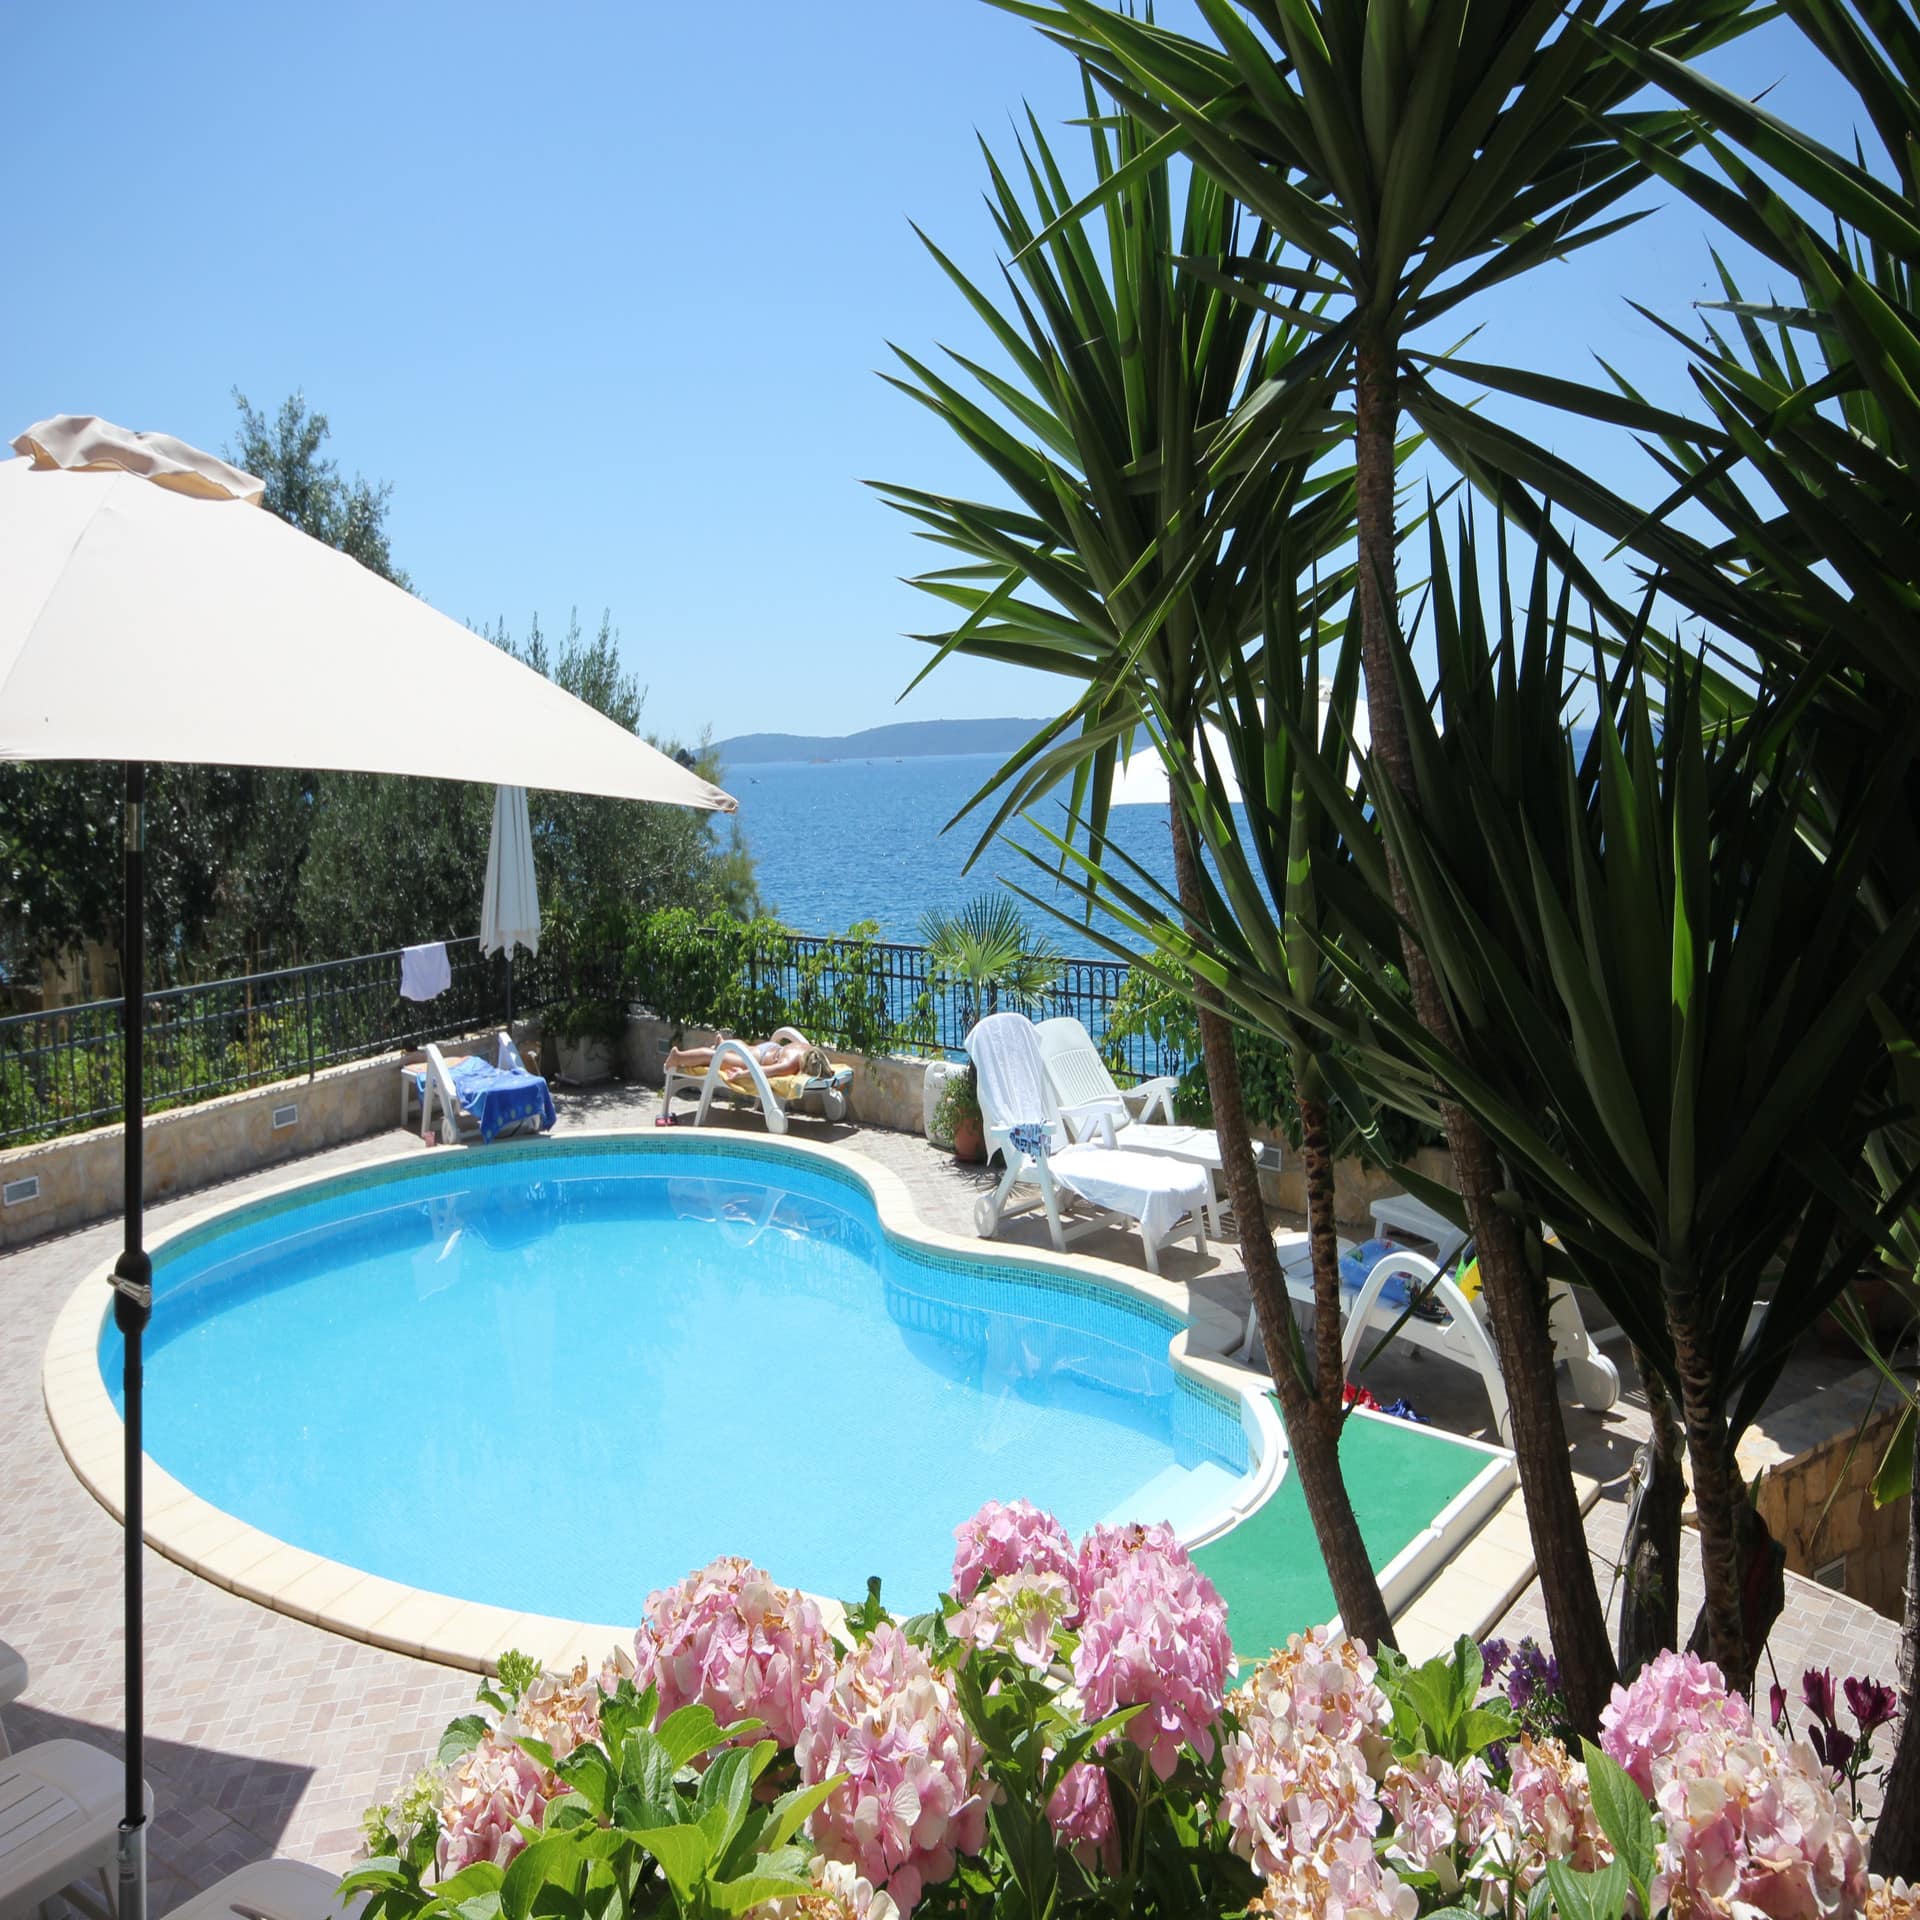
{"type": "Point", "coordinates": [61, 1069]}
{"type": "Point", "coordinates": [922, 1013]}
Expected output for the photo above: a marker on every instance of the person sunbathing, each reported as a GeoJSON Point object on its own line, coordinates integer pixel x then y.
{"type": "Point", "coordinates": [775, 1057]}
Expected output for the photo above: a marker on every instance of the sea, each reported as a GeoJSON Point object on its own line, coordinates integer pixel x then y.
{"type": "Point", "coordinates": [838, 841]}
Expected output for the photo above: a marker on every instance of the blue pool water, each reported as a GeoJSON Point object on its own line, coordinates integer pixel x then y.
{"type": "Point", "coordinates": [557, 1380]}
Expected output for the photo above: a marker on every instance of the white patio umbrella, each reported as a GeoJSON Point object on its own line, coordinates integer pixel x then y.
{"type": "Point", "coordinates": [510, 906]}
{"type": "Point", "coordinates": [1142, 782]}
{"type": "Point", "coordinates": [148, 611]}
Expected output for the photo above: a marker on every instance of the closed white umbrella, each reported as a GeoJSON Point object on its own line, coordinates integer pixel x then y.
{"type": "Point", "coordinates": [510, 907]}
{"type": "Point", "coordinates": [149, 611]}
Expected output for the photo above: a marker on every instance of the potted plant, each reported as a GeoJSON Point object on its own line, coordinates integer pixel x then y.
{"type": "Point", "coordinates": [985, 954]}
{"type": "Point", "coordinates": [586, 1037]}
{"type": "Point", "coordinates": [956, 1118]}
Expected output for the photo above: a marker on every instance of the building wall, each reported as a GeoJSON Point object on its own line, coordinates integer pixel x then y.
{"type": "Point", "coordinates": [1815, 1460]}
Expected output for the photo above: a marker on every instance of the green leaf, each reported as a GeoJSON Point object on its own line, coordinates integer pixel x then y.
{"type": "Point", "coordinates": [684, 1854]}
{"type": "Point", "coordinates": [552, 1860]}
{"type": "Point", "coordinates": [460, 1739]}
{"type": "Point", "coordinates": [1624, 1816]}
{"type": "Point", "coordinates": [1588, 1896]}
{"type": "Point", "coordinates": [737, 1896]}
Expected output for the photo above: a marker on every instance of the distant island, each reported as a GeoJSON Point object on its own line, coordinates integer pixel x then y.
{"type": "Point", "coordinates": [904, 740]}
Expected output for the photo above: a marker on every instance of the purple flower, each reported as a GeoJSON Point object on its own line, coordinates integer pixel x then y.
{"type": "Point", "coordinates": [1777, 1702]}
{"type": "Point", "coordinates": [1816, 1688]}
{"type": "Point", "coordinates": [1832, 1745]}
{"type": "Point", "coordinates": [1493, 1657]}
{"type": "Point", "coordinates": [1869, 1703]}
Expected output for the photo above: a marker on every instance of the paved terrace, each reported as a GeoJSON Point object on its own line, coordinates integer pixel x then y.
{"type": "Point", "coordinates": [266, 1734]}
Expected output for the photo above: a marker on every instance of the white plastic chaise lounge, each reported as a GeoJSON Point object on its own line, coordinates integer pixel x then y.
{"type": "Point", "coordinates": [735, 1071]}
{"type": "Point", "coordinates": [1025, 1122]}
{"type": "Point", "coordinates": [1089, 1094]}
{"type": "Point", "coordinates": [60, 1805]}
{"type": "Point", "coordinates": [1380, 1308]}
{"type": "Point", "coordinates": [271, 1890]}
{"type": "Point", "coordinates": [458, 1119]}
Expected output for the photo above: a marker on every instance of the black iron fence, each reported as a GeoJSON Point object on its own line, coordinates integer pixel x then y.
{"type": "Point", "coordinates": [61, 1069]}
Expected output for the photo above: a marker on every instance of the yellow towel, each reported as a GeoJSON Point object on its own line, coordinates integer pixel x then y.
{"type": "Point", "coordinates": [786, 1086]}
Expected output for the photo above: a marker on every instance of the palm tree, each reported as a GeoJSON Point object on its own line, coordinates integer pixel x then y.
{"type": "Point", "coordinates": [1141, 533]}
{"type": "Point", "coordinates": [986, 950]}
{"type": "Point", "coordinates": [1417, 153]}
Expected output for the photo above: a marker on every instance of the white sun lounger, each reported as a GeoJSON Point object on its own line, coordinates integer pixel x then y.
{"type": "Point", "coordinates": [271, 1890]}
{"type": "Point", "coordinates": [1024, 1122]}
{"type": "Point", "coordinates": [13, 1683]}
{"type": "Point", "coordinates": [1089, 1095]}
{"type": "Point", "coordinates": [1461, 1338]}
{"type": "Point", "coordinates": [735, 1063]}
{"type": "Point", "coordinates": [60, 1804]}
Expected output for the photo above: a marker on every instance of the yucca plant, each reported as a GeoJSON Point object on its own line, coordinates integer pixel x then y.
{"type": "Point", "coordinates": [1139, 532]}
{"type": "Point", "coordinates": [1804, 453]}
{"type": "Point", "coordinates": [1662, 1000]}
{"type": "Point", "coordinates": [1416, 153]}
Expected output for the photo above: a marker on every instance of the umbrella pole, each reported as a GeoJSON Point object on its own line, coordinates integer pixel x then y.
{"type": "Point", "coordinates": [509, 989]}
{"type": "Point", "coordinates": [132, 1307]}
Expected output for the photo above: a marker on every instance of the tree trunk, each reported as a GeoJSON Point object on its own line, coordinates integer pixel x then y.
{"type": "Point", "coordinates": [1516, 1300]}
{"type": "Point", "coordinates": [1650, 1557]}
{"type": "Point", "coordinates": [1715, 1492]}
{"type": "Point", "coordinates": [1323, 1239]}
{"type": "Point", "coordinates": [1896, 1836]}
{"type": "Point", "coordinates": [1312, 1442]}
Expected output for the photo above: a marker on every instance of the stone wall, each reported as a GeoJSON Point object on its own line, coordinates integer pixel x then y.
{"type": "Point", "coordinates": [80, 1173]}
{"type": "Point", "coordinates": [1816, 1463]}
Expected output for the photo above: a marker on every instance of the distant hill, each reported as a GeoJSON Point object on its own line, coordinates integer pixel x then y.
{"type": "Point", "coordinates": [904, 740]}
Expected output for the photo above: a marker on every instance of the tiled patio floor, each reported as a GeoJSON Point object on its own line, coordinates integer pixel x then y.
{"type": "Point", "coordinates": [267, 1735]}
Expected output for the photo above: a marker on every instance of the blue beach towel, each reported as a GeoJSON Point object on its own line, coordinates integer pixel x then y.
{"type": "Point", "coordinates": [1361, 1261]}
{"type": "Point", "coordinates": [498, 1098]}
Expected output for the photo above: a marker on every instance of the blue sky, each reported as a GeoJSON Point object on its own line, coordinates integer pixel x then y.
{"type": "Point", "coordinates": [601, 293]}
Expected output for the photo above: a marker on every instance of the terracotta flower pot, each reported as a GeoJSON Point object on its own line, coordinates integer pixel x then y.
{"type": "Point", "coordinates": [969, 1139]}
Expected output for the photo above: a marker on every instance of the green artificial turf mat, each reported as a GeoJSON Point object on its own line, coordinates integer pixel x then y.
{"type": "Point", "coordinates": [1269, 1570]}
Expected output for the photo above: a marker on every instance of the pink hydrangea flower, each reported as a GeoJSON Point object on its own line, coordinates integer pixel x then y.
{"type": "Point", "coordinates": [1300, 1777]}
{"type": "Point", "coordinates": [1106, 1550]}
{"type": "Point", "coordinates": [1441, 1814]}
{"type": "Point", "coordinates": [1081, 1813]}
{"type": "Point", "coordinates": [1547, 1814]}
{"type": "Point", "coordinates": [1018, 1611]}
{"type": "Point", "coordinates": [838, 1894]}
{"type": "Point", "coordinates": [914, 1797]}
{"type": "Point", "coordinates": [1892, 1900]}
{"type": "Point", "coordinates": [731, 1639]}
{"type": "Point", "coordinates": [1153, 1633]}
{"type": "Point", "coordinates": [1672, 1696]}
{"type": "Point", "coordinates": [1345, 1881]}
{"type": "Point", "coordinates": [1753, 1827]}
{"type": "Point", "coordinates": [494, 1792]}
{"type": "Point", "coordinates": [561, 1709]}
{"type": "Point", "coordinates": [1012, 1538]}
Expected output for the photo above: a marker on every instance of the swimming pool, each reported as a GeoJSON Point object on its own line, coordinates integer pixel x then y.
{"type": "Point", "coordinates": [551, 1378]}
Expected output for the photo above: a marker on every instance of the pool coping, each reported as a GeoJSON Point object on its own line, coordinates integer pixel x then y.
{"type": "Point", "coordinates": [472, 1634]}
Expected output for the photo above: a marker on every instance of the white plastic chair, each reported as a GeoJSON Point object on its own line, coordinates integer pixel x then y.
{"type": "Point", "coordinates": [1088, 1093]}
{"type": "Point", "coordinates": [13, 1683]}
{"type": "Point", "coordinates": [734, 1061]}
{"type": "Point", "coordinates": [1164, 1198]}
{"type": "Point", "coordinates": [1461, 1338]}
{"type": "Point", "coordinates": [60, 1803]}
